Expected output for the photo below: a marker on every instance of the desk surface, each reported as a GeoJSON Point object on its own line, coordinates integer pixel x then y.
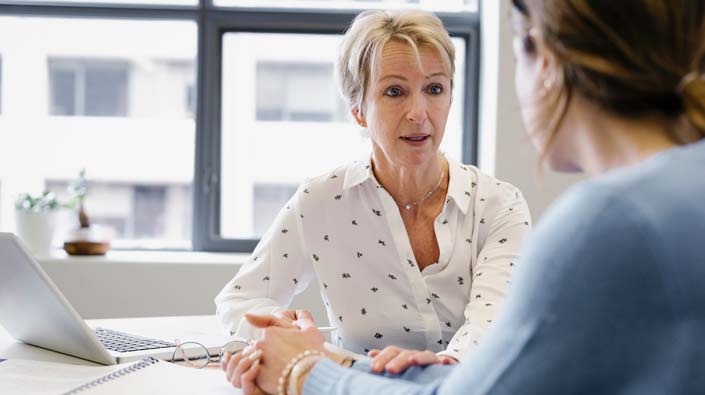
{"type": "Point", "coordinates": [184, 327]}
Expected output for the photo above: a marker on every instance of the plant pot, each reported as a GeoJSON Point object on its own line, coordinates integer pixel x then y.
{"type": "Point", "coordinates": [92, 240]}
{"type": "Point", "coordinates": [37, 230]}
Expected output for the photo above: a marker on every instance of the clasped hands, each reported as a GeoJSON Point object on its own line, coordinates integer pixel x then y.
{"type": "Point", "coordinates": [257, 368]}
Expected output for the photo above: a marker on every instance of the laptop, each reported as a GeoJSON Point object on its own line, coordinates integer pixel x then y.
{"type": "Point", "coordinates": [34, 311]}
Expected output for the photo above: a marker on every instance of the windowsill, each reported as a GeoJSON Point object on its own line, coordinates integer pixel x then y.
{"type": "Point", "coordinates": [149, 257]}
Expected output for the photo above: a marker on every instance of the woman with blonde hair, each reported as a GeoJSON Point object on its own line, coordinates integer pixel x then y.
{"type": "Point", "coordinates": [609, 297]}
{"type": "Point", "coordinates": [409, 247]}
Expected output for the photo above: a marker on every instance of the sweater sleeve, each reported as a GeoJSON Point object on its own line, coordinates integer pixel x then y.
{"type": "Point", "coordinates": [327, 377]}
{"type": "Point", "coordinates": [277, 270]}
{"type": "Point", "coordinates": [415, 374]}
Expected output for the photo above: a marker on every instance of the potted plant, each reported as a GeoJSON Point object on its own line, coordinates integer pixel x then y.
{"type": "Point", "coordinates": [87, 239]}
{"type": "Point", "coordinates": [36, 219]}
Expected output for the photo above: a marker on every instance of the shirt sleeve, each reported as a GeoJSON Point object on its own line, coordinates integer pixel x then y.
{"type": "Point", "coordinates": [507, 218]}
{"type": "Point", "coordinates": [277, 270]}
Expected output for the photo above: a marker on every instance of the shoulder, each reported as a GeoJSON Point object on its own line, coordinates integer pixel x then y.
{"type": "Point", "coordinates": [489, 188]}
{"type": "Point", "coordinates": [589, 205]}
{"type": "Point", "coordinates": [594, 223]}
{"type": "Point", "coordinates": [325, 186]}
{"type": "Point", "coordinates": [499, 190]}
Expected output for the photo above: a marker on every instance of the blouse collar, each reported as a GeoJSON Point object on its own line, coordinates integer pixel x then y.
{"type": "Point", "coordinates": [461, 189]}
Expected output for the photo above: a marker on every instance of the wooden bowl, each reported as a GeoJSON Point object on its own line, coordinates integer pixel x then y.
{"type": "Point", "coordinates": [86, 247]}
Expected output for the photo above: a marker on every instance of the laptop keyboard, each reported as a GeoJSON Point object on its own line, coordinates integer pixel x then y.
{"type": "Point", "coordinates": [123, 342]}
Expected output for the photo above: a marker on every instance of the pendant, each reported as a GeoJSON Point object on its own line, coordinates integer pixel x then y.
{"type": "Point", "coordinates": [408, 207]}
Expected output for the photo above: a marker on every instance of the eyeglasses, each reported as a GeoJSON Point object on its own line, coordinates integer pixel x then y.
{"type": "Point", "coordinates": [196, 355]}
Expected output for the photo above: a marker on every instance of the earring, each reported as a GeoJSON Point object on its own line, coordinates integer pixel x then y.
{"type": "Point", "coordinates": [548, 83]}
{"type": "Point", "coordinates": [546, 86]}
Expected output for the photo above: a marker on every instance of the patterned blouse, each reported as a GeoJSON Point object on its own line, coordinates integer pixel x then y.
{"type": "Point", "coordinates": [343, 230]}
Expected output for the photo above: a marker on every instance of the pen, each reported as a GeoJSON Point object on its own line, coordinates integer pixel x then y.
{"type": "Point", "coordinates": [326, 329]}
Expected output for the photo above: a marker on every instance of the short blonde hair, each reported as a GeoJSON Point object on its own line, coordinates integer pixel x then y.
{"type": "Point", "coordinates": [371, 31]}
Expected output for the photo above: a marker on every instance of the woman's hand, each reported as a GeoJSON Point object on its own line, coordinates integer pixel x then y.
{"type": "Point", "coordinates": [280, 343]}
{"type": "Point", "coordinates": [396, 360]}
{"type": "Point", "coordinates": [292, 315]}
{"type": "Point", "coordinates": [241, 370]}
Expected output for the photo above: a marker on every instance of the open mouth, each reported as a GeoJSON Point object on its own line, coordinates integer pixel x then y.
{"type": "Point", "coordinates": [416, 138]}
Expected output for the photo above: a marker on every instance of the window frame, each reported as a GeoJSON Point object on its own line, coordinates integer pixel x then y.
{"type": "Point", "coordinates": [213, 22]}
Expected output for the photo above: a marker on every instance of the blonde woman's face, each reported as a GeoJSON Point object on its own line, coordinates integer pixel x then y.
{"type": "Point", "coordinates": [406, 105]}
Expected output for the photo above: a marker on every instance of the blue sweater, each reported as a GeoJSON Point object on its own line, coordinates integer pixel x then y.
{"type": "Point", "coordinates": [609, 297]}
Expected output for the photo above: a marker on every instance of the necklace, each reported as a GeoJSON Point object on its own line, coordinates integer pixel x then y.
{"type": "Point", "coordinates": [408, 206]}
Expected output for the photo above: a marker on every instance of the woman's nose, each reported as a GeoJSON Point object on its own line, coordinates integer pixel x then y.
{"type": "Point", "coordinates": [417, 111]}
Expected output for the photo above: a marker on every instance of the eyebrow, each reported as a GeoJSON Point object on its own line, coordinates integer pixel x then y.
{"type": "Point", "coordinates": [401, 77]}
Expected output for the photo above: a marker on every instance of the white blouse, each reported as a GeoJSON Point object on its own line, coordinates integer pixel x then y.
{"type": "Point", "coordinates": [345, 231]}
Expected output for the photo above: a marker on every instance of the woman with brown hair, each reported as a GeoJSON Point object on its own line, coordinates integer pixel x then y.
{"type": "Point", "coordinates": [608, 295]}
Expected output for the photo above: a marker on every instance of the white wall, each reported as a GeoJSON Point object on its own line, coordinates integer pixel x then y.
{"type": "Point", "coordinates": [150, 284]}
{"type": "Point", "coordinates": [505, 150]}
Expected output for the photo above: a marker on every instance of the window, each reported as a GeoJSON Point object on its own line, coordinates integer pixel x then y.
{"type": "Point", "coordinates": [115, 2]}
{"type": "Point", "coordinates": [268, 201]}
{"type": "Point", "coordinates": [196, 120]}
{"type": "Point", "coordinates": [142, 215]}
{"type": "Point", "coordinates": [283, 92]}
{"type": "Point", "coordinates": [110, 96]}
{"type": "Point", "coordinates": [88, 87]}
{"type": "Point", "coordinates": [432, 5]}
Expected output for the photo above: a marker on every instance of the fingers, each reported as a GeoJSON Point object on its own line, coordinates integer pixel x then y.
{"type": "Point", "coordinates": [446, 360]}
{"type": "Point", "coordinates": [289, 315]}
{"type": "Point", "coordinates": [374, 352]}
{"type": "Point", "coordinates": [304, 314]}
{"type": "Point", "coordinates": [305, 320]}
{"type": "Point", "coordinates": [224, 361]}
{"type": "Point", "coordinates": [231, 366]}
{"type": "Point", "coordinates": [383, 357]}
{"type": "Point", "coordinates": [232, 360]}
{"type": "Point", "coordinates": [241, 367]}
{"type": "Point", "coordinates": [248, 380]}
{"type": "Point", "coordinates": [396, 360]}
{"type": "Point", "coordinates": [400, 362]}
{"type": "Point", "coordinates": [241, 363]}
{"type": "Point", "coordinates": [423, 358]}
{"type": "Point", "coordinates": [263, 321]}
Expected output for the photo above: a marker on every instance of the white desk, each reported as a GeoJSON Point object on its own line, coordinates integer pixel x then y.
{"type": "Point", "coordinates": [167, 328]}
{"type": "Point", "coordinates": [164, 379]}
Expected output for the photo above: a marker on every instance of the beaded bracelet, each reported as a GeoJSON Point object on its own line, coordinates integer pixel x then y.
{"type": "Point", "coordinates": [304, 365]}
{"type": "Point", "coordinates": [282, 383]}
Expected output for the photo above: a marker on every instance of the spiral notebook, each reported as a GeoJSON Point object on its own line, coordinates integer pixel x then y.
{"type": "Point", "coordinates": [152, 376]}
{"type": "Point", "coordinates": [148, 376]}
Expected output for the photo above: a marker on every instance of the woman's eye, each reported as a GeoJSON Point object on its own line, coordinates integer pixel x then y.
{"type": "Point", "coordinates": [393, 92]}
{"type": "Point", "coordinates": [435, 89]}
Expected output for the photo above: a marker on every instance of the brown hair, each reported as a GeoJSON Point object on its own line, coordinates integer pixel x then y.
{"type": "Point", "coordinates": [631, 57]}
